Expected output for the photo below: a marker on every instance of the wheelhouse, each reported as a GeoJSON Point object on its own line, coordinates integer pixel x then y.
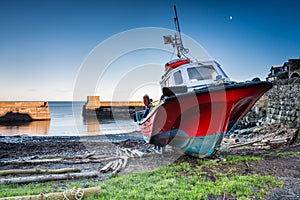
{"type": "Point", "coordinates": [194, 75]}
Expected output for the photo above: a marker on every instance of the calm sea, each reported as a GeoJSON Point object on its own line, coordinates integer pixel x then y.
{"type": "Point", "coordinates": [66, 120]}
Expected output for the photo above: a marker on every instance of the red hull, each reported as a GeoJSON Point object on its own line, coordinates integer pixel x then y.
{"type": "Point", "coordinates": [204, 112]}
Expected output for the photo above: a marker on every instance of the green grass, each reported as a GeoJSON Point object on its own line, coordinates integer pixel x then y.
{"type": "Point", "coordinates": [230, 159]}
{"type": "Point", "coordinates": [8, 190]}
{"type": "Point", "coordinates": [233, 159]}
{"type": "Point", "coordinates": [181, 181]}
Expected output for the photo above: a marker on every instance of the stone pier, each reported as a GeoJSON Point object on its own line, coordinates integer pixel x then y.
{"type": "Point", "coordinates": [24, 111]}
{"type": "Point", "coordinates": [110, 109]}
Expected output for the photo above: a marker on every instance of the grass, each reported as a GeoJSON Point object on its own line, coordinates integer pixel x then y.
{"type": "Point", "coordinates": [233, 159]}
{"type": "Point", "coordinates": [176, 181]}
{"type": "Point", "coordinates": [7, 190]}
{"type": "Point", "coordinates": [230, 159]}
{"type": "Point", "coordinates": [183, 182]}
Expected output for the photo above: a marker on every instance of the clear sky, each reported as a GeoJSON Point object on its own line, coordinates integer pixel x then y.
{"type": "Point", "coordinates": [43, 43]}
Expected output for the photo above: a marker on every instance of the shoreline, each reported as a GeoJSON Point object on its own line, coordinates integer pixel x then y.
{"type": "Point", "coordinates": [86, 138]}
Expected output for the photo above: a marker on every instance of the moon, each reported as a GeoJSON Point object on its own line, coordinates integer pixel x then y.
{"type": "Point", "coordinates": [230, 17]}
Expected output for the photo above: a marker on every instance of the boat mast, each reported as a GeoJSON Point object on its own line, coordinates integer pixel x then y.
{"type": "Point", "coordinates": [178, 41]}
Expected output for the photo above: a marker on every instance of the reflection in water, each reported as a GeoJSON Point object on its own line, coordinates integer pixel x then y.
{"type": "Point", "coordinates": [25, 128]}
{"type": "Point", "coordinates": [96, 126]}
{"type": "Point", "coordinates": [93, 125]}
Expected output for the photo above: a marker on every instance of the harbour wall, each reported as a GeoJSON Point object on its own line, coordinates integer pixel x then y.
{"type": "Point", "coordinates": [24, 111]}
{"type": "Point", "coordinates": [281, 105]}
{"type": "Point", "coordinates": [94, 108]}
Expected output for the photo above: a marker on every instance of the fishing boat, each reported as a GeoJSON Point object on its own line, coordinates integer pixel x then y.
{"type": "Point", "coordinates": [199, 105]}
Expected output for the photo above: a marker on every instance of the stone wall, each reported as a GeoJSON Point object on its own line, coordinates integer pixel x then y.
{"type": "Point", "coordinates": [24, 111]}
{"type": "Point", "coordinates": [281, 104]}
{"type": "Point", "coordinates": [284, 103]}
{"type": "Point", "coordinates": [96, 109]}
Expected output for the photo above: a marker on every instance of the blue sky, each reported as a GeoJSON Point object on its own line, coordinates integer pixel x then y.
{"type": "Point", "coordinates": [44, 43]}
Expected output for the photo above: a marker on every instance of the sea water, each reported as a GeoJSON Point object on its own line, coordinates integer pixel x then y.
{"type": "Point", "coordinates": [67, 120]}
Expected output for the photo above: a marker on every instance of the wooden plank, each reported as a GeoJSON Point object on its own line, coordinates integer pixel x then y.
{"type": "Point", "coordinates": [38, 171]}
{"type": "Point", "coordinates": [48, 177]}
{"type": "Point", "coordinates": [73, 194]}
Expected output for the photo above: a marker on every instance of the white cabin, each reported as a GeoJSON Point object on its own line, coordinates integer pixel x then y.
{"type": "Point", "coordinates": [192, 74]}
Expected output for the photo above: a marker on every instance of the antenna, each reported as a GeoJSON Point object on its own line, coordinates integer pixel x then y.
{"type": "Point", "coordinates": [177, 41]}
{"type": "Point", "coordinates": [176, 20]}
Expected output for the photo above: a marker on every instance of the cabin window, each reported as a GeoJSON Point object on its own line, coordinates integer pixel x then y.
{"type": "Point", "coordinates": [167, 83]}
{"type": "Point", "coordinates": [202, 73]}
{"type": "Point", "coordinates": [178, 78]}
